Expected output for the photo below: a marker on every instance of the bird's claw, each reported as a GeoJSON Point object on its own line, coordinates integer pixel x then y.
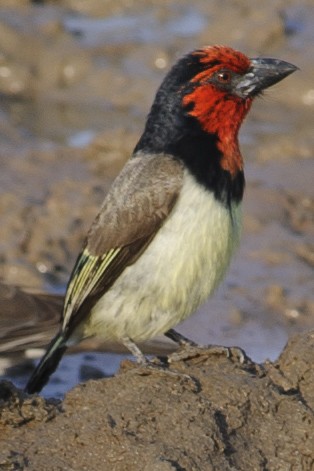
{"type": "Point", "coordinates": [190, 351]}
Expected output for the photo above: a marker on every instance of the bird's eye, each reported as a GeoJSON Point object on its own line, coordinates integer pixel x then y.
{"type": "Point", "coordinates": [224, 76]}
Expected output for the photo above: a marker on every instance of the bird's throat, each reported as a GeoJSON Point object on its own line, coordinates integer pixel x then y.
{"type": "Point", "coordinates": [221, 115]}
{"type": "Point", "coordinates": [231, 159]}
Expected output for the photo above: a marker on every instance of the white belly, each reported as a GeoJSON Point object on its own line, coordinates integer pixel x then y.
{"type": "Point", "coordinates": [181, 267]}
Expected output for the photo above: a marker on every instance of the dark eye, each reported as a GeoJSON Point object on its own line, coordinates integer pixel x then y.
{"type": "Point", "coordinates": [224, 76]}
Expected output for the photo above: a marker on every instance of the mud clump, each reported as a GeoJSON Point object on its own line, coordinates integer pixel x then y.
{"type": "Point", "coordinates": [215, 414]}
{"type": "Point", "coordinates": [72, 112]}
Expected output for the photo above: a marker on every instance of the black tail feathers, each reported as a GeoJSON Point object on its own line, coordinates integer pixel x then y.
{"type": "Point", "coordinates": [47, 365]}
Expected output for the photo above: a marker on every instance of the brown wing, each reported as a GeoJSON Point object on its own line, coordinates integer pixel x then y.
{"type": "Point", "coordinates": [136, 206]}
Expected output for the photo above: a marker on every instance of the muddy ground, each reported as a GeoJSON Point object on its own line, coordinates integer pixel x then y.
{"type": "Point", "coordinates": [76, 81]}
{"type": "Point", "coordinates": [223, 416]}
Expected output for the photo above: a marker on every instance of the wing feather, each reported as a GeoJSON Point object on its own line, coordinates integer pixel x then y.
{"type": "Point", "coordinates": [138, 202]}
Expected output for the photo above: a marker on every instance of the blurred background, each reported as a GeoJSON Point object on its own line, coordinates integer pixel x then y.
{"type": "Point", "coordinates": [77, 78]}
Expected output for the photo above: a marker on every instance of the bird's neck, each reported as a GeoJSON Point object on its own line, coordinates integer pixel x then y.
{"type": "Point", "coordinates": [203, 138]}
{"type": "Point", "coordinates": [222, 116]}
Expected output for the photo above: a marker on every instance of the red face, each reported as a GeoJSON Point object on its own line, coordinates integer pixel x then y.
{"type": "Point", "coordinates": [215, 104]}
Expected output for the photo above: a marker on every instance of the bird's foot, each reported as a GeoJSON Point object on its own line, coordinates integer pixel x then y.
{"type": "Point", "coordinates": [235, 354]}
{"type": "Point", "coordinates": [180, 339]}
{"type": "Point", "coordinates": [155, 365]}
{"type": "Point", "coordinates": [191, 349]}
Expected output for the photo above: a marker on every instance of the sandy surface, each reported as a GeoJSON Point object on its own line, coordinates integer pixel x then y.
{"type": "Point", "coordinates": [76, 81]}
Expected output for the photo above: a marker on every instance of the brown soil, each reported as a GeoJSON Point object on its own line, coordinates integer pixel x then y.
{"type": "Point", "coordinates": [222, 416]}
{"type": "Point", "coordinates": [61, 77]}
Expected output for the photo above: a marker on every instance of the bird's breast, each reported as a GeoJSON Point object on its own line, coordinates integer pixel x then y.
{"type": "Point", "coordinates": [195, 246]}
{"type": "Point", "coordinates": [176, 273]}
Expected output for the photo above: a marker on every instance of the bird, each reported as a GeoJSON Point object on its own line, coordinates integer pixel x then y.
{"type": "Point", "coordinates": [171, 221]}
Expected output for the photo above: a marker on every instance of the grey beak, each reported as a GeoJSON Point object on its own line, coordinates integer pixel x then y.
{"type": "Point", "coordinates": [262, 74]}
